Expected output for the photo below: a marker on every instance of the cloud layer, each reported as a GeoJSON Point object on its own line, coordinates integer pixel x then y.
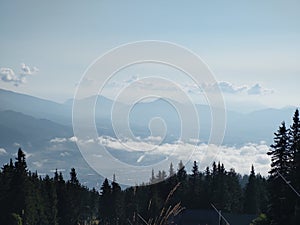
{"type": "Point", "coordinates": [8, 75]}
{"type": "Point", "coordinates": [229, 88]}
{"type": "Point", "coordinates": [239, 158]}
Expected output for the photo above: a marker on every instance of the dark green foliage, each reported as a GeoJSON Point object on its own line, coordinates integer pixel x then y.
{"type": "Point", "coordinates": [28, 199]}
{"type": "Point", "coordinates": [251, 194]}
{"type": "Point", "coordinates": [105, 206]}
{"type": "Point", "coordinates": [284, 180]}
{"type": "Point", "coordinates": [280, 209]}
{"type": "Point", "coordinates": [58, 202]}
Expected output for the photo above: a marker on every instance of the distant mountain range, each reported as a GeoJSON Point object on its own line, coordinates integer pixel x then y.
{"type": "Point", "coordinates": [32, 122]}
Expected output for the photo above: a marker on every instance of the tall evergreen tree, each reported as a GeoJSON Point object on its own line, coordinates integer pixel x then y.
{"type": "Point", "coordinates": [294, 176]}
{"type": "Point", "coordinates": [181, 174]}
{"type": "Point", "coordinates": [294, 140]}
{"type": "Point", "coordinates": [280, 209]}
{"type": "Point", "coordinates": [73, 177]}
{"type": "Point", "coordinates": [195, 171]}
{"type": "Point", "coordinates": [171, 170]}
{"type": "Point", "coordinates": [251, 194]}
{"type": "Point", "coordinates": [19, 186]}
{"type": "Point", "coordinates": [279, 152]}
{"type": "Point", "coordinates": [116, 202]}
{"type": "Point", "coordinates": [105, 206]}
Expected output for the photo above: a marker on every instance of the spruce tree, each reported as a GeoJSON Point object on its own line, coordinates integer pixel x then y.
{"type": "Point", "coordinates": [195, 171]}
{"type": "Point", "coordinates": [294, 139]}
{"type": "Point", "coordinates": [171, 170]}
{"type": "Point", "coordinates": [73, 177]}
{"type": "Point", "coordinates": [280, 208]}
{"type": "Point", "coordinates": [105, 206]}
{"type": "Point", "coordinates": [251, 194]}
{"type": "Point", "coordinates": [279, 153]}
{"type": "Point", "coordinates": [116, 202]}
{"type": "Point", "coordinates": [181, 174]}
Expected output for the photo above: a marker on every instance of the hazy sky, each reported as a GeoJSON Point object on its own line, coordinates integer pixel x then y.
{"type": "Point", "coordinates": [249, 44]}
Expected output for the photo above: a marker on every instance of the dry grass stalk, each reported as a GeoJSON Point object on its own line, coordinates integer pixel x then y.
{"type": "Point", "coordinates": [166, 212]}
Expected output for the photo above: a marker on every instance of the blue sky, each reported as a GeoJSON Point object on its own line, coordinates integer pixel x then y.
{"type": "Point", "coordinates": [245, 43]}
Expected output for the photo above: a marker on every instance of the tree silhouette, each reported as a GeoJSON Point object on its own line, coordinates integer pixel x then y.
{"type": "Point", "coordinates": [280, 155]}
{"type": "Point", "coordinates": [251, 194]}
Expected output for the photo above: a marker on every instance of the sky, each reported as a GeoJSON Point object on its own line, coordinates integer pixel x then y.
{"type": "Point", "coordinates": [252, 47]}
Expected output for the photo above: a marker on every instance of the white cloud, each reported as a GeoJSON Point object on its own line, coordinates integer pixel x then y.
{"type": "Point", "coordinates": [26, 70]}
{"type": "Point", "coordinates": [8, 74]}
{"type": "Point", "coordinates": [154, 139]}
{"type": "Point", "coordinates": [2, 151]}
{"type": "Point", "coordinates": [63, 154]}
{"type": "Point", "coordinates": [257, 89]}
{"type": "Point", "coordinates": [225, 87]}
{"type": "Point", "coordinates": [58, 140]}
{"type": "Point", "coordinates": [229, 88]}
{"type": "Point", "coordinates": [239, 158]}
{"type": "Point", "coordinates": [58, 170]}
{"type": "Point", "coordinates": [73, 139]}
{"type": "Point", "coordinates": [39, 164]}
{"type": "Point", "coordinates": [17, 144]}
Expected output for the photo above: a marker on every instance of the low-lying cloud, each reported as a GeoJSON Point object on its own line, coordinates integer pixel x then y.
{"type": "Point", "coordinates": [239, 158]}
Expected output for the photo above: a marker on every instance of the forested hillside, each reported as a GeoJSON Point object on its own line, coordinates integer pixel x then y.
{"type": "Point", "coordinates": [29, 199]}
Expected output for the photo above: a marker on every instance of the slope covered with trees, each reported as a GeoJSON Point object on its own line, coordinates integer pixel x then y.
{"type": "Point", "coordinates": [29, 199]}
{"type": "Point", "coordinates": [26, 197]}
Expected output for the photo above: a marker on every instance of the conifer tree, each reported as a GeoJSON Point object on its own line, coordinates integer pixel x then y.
{"type": "Point", "coordinates": [171, 170]}
{"type": "Point", "coordinates": [280, 208]}
{"type": "Point", "coordinates": [73, 175]}
{"type": "Point", "coordinates": [251, 194]}
{"type": "Point", "coordinates": [195, 171]}
{"type": "Point", "coordinates": [105, 206]}
{"type": "Point", "coordinates": [181, 174]}
{"type": "Point", "coordinates": [294, 176]}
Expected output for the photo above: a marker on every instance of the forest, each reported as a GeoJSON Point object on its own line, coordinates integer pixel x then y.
{"type": "Point", "coordinates": [28, 199]}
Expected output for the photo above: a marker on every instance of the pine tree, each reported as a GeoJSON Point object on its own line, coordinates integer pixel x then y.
{"type": "Point", "coordinates": [294, 142]}
{"type": "Point", "coordinates": [280, 154]}
{"type": "Point", "coordinates": [19, 185]}
{"type": "Point", "coordinates": [105, 206]}
{"type": "Point", "coordinates": [181, 174]}
{"type": "Point", "coordinates": [116, 202]}
{"type": "Point", "coordinates": [195, 171]}
{"type": "Point", "coordinates": [294, 176]}
{"type": "Point", "coordinates": [20, 164]}
{"type": "Point", "coordinates": [251, 194]}
{"type": "Point", "coordinates": [194, 187]}
{"type": "Point", "coordinates": [152, 179]}
{"type": "Point", "coordinates": [171, 170]}
{"type": "Point", "coordinates": [280, 208]}
{"type": "Point", "coordinates": [73, 175]}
